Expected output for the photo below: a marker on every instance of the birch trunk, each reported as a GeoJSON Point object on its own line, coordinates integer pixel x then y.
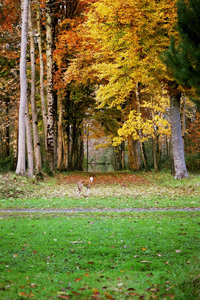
{"type": "Point", "coordinates": [36, 139]}
{"type": "Point", "coordinates": [21, 165]}
{"type": "Point", "coordinates": [51, 147]}
{"type": "Point", "coordinates": [42, 97]}
{"type": "Point", "coordinates": [176, 138]}
{"type": "Point", "coordinates": [29, 143]}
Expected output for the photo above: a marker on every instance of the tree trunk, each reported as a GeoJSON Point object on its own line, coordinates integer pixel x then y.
{"type": "Point", "coordinates": [123, 162]}
{"type": "Point", "coordinates": [29, 143]}
{"type": "Point", "coordinates": [21, 166]}
{"type": "Point", "coordinates": [80, 156]}
{"type": "Point", "coordinates": [51, 141]}
{"type": "Point", "coordinates": [176, 138]}
{"type": "Point", "coordinates": [36, 139]}
{"type": "Point", "coordinates": [137, 94]}
{"type": "Point", "coordinates": [133, 154]}
{"type": "Point", "coordinates": [154, 145]}
{"type": "Point", "coordinates": [183, 121]}
{"type": "Point", "coordinates": [60, 133]}
{"type": "Point", "coordinates": [7, 135]}
{"type": "Point", "coordinates": [42, 98]}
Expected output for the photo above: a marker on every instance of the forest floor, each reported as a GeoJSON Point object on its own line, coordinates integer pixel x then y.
{"type": "Point", "coordinates": [110, 191]}
{"type": "Point", "coordinates": [135, 237]}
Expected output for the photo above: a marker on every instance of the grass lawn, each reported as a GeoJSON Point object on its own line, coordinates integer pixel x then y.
{"type": "Point", "coordinates": [107, 255]}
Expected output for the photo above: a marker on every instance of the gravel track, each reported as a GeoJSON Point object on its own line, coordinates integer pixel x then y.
{"type": "Point", "coordinates": [82, 210]}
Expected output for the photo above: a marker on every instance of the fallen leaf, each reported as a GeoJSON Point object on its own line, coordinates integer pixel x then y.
{"type": "Point", "coordinates": [22, 294]}
{"type": "Point", "coordinates": [184, 233]}
{"type": "Point", "coordinates": [26, 295]}
{"type": "Point", "coordinates": [143, 249]}
{"type": "Point", "coordinates": [95, 291]}
{"type": "Point", "coordinates": [108, 296]}
{"type": "Point", "coordinates": [75, 293]}
{"type": "Point", "coordinates": [78, 279]}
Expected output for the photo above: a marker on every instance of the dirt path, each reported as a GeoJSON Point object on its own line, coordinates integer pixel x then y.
{"type": "Point", "coordinates": [82, 210]}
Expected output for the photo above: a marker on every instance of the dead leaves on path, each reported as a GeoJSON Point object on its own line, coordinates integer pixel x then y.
{"type": "Point", "coordinates": [106, 178]}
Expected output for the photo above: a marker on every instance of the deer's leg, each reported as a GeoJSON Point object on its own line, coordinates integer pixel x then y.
{"type": "Point", "coordinates": [79, 189]}
{"type": "Point", "coordinates": [88, 191]}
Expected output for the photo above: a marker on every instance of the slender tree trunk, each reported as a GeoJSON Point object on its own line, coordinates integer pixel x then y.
{"type": "Point", "coordinates": [68, 131]}
{"type": "Point", "coordinates": [183, 121]}
{"type": "Point", "coordinates": [154, 145]}
{"type": "Point", "coordinates": [69, 138]}
{"type": "Point", "coordinates": [60, 133]}
{"type": "Point", "coordinates": [51, 146]}
{"type": "Point", "coordinates": [21, 165]}
{"type": "Point", "coordinates": [137, 93]}
{"type": "Point", "coordinates": [176, 138]}
{"type": "Point", "coordinates": [36, 139]}
{"type": "Point", "coordinates": [80, 156]}
{"type": "Point", "coordinates": [65, 156]}
{"type": "Point", "coordinates": [29, 143]}
{"type": "Point", "coordinates": [7, 135]}
{"type": "Point", "coordinates": [15, 140]}
{"type": "Point", "coordinates": [117, 159]}
{"type": "Point", "coordinates": [42, 98]}
{"type": "Point", "coordinates": [123, 155]}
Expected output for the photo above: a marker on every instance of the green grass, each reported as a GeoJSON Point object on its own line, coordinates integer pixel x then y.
{"type": "Point", "coordinates": [100, 255]}
{"type": "Point", "coordinates": [140, 256]}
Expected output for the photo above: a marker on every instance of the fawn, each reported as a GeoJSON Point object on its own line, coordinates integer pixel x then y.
{"type": "Point", "coordinates": [86, 183]}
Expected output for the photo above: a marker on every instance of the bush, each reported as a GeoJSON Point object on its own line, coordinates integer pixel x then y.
{"type": "Point", "coordinates": [7, 164]}
{"type": "Point", "coordinates": [193, 162]}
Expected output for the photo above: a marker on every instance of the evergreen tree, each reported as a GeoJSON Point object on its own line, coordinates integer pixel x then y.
{"type": "Point", "coordinates": [184, 59]}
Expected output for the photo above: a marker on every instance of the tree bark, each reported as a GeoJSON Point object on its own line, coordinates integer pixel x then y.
{"type": "Point", "coordinates": [176, 138]}
{"type": "Point", "coordinates": [183, 120]}
{"type": "Point", "coordinates": [51, 141]}
{"type": "Point", "coordinates": [137, 94]}
{"type": "Point", "coordinates": [21, 167]}
{"type": "Point", "coordinates": [133, 154]}
{"type": "Point", "coordinates": [29, 143]}
{"type": "Point", "coordinates": [60, 133]}
{"type": "Point", "coordinates": [36, 139]}
{"type": "Point", "coordinates": [154, 145]}
{"type": "Point", "coordinates": [42, 98]}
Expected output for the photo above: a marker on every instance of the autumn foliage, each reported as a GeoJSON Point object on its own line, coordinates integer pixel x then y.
{"type": "Point", "coordinates": [108, 78]}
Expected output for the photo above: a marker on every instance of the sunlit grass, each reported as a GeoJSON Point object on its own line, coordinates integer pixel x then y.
{"type": "Point", "coordinates": [117, 256]}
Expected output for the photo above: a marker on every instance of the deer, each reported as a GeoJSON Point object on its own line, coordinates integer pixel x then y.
{"type": "Point", "coordinates": [86, 183]}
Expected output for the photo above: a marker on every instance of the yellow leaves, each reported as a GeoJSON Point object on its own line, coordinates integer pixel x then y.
{"type": "Point", "coordinates": [141, 128]}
